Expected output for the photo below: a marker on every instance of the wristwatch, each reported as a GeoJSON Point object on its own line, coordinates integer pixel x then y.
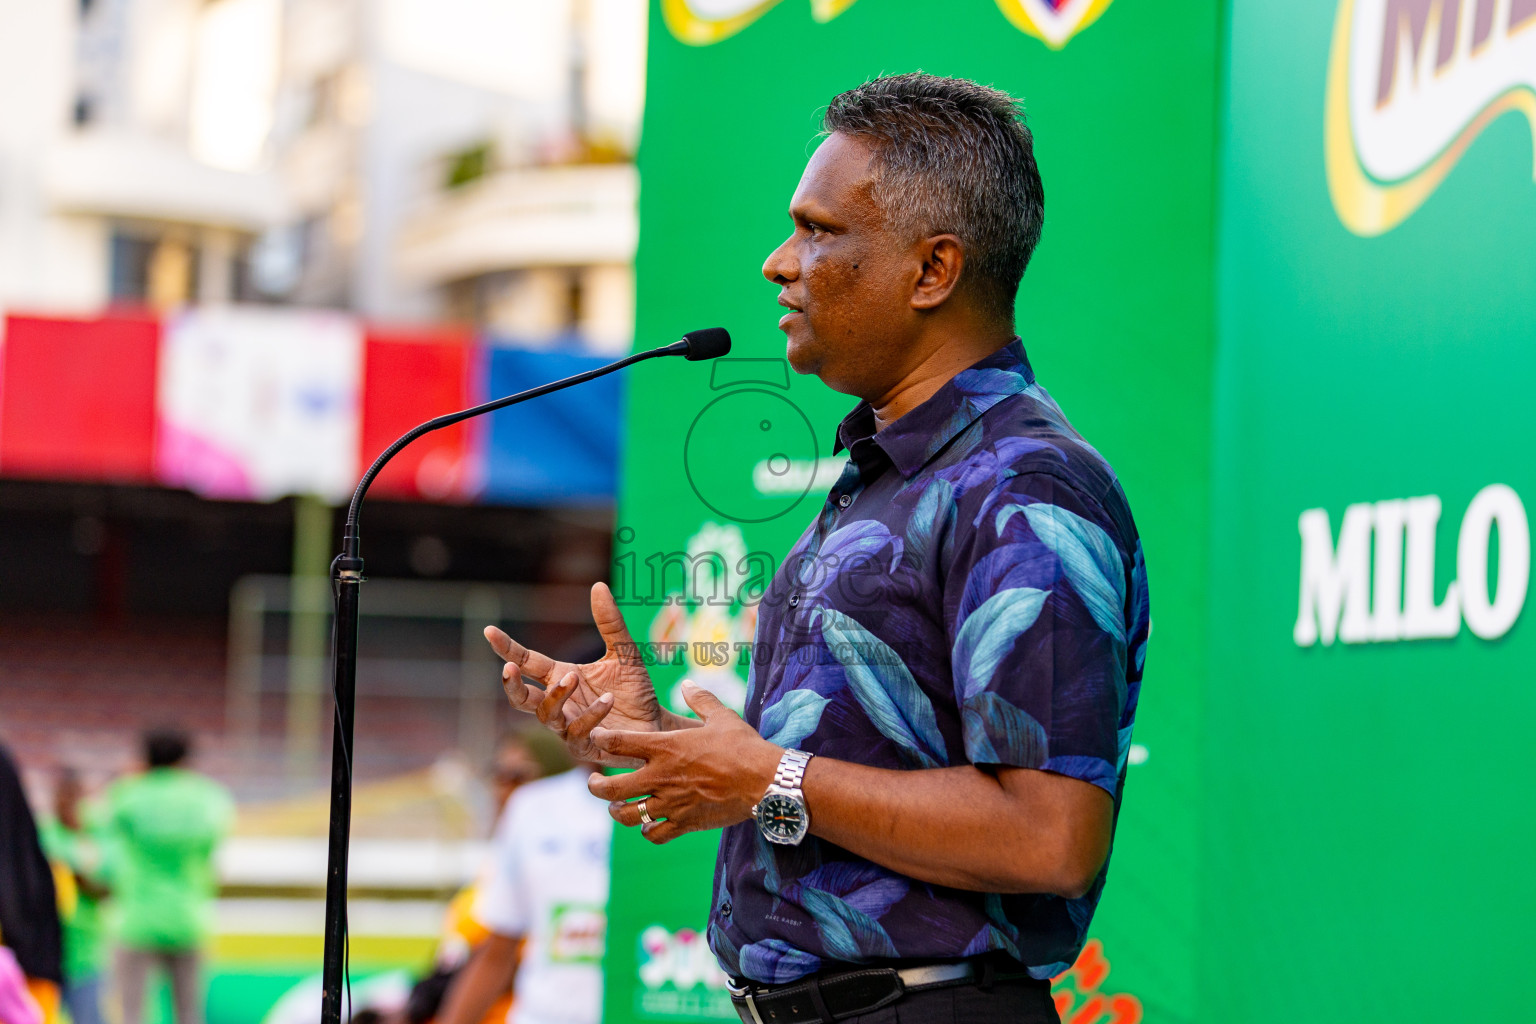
{"type": "Point", "coordinates": [781, 814]}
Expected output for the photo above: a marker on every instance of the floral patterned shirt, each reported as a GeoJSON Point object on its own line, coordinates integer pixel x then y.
{"type": "Point", "coordinates": [972, 592]}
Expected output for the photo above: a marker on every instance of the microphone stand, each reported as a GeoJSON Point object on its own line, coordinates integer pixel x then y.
{"type": "Point", "coordinates": [346, 582]}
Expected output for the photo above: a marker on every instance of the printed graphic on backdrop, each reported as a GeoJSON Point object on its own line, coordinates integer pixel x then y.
{"type": "Point", "coordinates": [742, 450]}
{"type": "Point", "coordinates": [257, 404]}
{"type": "Point", "coordinates": [707, 623]}
{"type": "Point", "coordinates": [680, 980]}
{"type": "Point", "coordinates": [1411, 85]}
{"type": "Point", "coordinates": [702, 22]}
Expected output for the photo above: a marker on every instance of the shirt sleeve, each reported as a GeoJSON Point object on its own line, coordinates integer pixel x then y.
{"type": "Point", "coordinates": [1036, 607]}
{"type": "Point", "coordinates": [501, 902]}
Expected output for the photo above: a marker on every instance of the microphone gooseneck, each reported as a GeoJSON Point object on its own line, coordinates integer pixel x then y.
{"type": "Point", "coordinates": [346, 582]}
{"type": "Point", "coordinates": [705, 343]}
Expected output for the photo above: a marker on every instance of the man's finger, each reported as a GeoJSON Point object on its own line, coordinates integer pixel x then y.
{"type": "Point", "coordinates": [606, 617]}
{"type": "Point", "coordinates": [662, 832]}
{"type": "Point", "coordinates": [520, 695]}
{"type": "Point", "coordinates": [552, 708]}
{"type": "Point", "coordinates": [624, 743]}
{"type": "Point", "coordinates": [535, 666]}
{"type": "Point", "coordinates": [579, 724]}
{"type": "Point", "coordinates": [620, 787]}
{"type": "Point", "coordinates": [702, 701]}
{"type": "Point", "coordinates": [626, 812]}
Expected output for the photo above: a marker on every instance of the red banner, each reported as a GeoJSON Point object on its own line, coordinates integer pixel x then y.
{"type": "Point", "coordinates": [78, 398]}
{"type": "Point", "coordinates": [410, 377]}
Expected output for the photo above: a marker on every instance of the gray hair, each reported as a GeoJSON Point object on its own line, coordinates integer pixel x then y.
{"type": "Point", "coordinates": [952, 157]}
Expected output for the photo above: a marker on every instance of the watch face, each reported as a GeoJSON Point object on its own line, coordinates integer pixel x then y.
{"type": "Point", "coordinates": [782, 818]}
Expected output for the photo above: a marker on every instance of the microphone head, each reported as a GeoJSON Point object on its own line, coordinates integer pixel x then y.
{"type": "Point", "coordinates": [707, 343]}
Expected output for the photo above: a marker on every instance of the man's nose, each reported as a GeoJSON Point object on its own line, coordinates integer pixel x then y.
{"type": "Point", "coordinates": [781, 267]}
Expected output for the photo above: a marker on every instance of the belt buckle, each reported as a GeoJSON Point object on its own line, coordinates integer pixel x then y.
{"type": "Point", "coordinates": [744, 993]}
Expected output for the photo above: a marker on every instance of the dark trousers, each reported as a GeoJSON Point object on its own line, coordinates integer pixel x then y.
{"type": "Point", "coordinates": [1006, 1002]}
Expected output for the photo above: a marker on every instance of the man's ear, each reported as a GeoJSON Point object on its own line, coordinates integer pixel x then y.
{"type": "Point", "coordinates": [943, 261]}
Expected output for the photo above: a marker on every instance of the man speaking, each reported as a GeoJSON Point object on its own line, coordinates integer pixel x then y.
{"type": "Point", "coordinates": [919, 803]}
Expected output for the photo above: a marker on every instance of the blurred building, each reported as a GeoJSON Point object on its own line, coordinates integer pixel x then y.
{"type": "Point", "coordinates": [409, 160]}
{"type": "Point", "coordinates": [436, 186]}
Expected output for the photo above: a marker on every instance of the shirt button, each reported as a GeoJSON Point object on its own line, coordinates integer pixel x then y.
{"type": "Point", "coordinates": [794, 600]}
{"type": "Point", "coordinates": [725, 908]}
{"type": "Point", "coordinates": [845, 501]}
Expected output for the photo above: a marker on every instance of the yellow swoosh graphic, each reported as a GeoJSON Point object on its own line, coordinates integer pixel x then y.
{"type": "Point", "coordinates": [1369, 208]}
{"type": "Point", "coordinates": [695, 30]}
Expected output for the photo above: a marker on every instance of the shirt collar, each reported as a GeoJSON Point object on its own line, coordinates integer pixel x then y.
{"type": "Point", "coordinates": [914, 439]}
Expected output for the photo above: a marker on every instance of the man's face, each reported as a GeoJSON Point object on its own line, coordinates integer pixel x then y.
{"type": "Point", "coordinates": [514, 765]}
{"type": "Point", "coordinates": [845, 278]}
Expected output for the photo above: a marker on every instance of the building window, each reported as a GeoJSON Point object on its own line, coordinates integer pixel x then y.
{"type": "Point", "coordinates": [158, 269]}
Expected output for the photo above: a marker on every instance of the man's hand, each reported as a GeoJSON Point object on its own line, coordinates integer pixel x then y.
{"type": "Point", "coordinates": [696, 779]}
{"type": "Point", "coordinates": [570, 699]}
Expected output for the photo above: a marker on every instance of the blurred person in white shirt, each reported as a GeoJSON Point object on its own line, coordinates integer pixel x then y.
{"type": "Point", "coordinates": [544, 901]}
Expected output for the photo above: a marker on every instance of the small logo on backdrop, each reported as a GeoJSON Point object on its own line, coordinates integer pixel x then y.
{"type": "Point", "coordinates": [1054, 22]}
{"type": "Point", "coordinates": [744, 450]}
{"type": "Point", "coordinates": [1411, 84]}
{"type": "Point", "coordinates": [702, 22]}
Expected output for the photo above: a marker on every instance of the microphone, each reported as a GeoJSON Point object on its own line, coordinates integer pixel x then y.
{"type": "Point", "coordinates": [708, 343]}
{"type": "Point", "coordinates": [346, 583]}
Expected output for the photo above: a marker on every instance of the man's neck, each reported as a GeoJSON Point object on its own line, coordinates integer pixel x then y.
{"type": "Point", "coordinates": [938, 368]}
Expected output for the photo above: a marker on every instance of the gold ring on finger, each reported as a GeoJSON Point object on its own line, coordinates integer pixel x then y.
{"type": "Point", "coordinates": [645, 815]}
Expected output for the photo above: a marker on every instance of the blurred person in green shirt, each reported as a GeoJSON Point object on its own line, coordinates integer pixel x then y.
{"type": "Point", "coordinates": [165, 824]}
{"type": "Point", "coordinates": [73, 838]}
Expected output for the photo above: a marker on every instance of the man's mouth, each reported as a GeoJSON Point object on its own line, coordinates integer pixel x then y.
{"type": "Point", "coordinates": [794, 311]}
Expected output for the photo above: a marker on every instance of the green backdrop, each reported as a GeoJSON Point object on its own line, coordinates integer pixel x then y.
{"type": "Point", "coordinates": [1309, 832]}
{"type": "Point", "coordinates": [1368, 804]}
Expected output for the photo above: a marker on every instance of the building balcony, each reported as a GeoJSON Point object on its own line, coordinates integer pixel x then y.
{"type": "Point", "coordinates": [116, 173]}
{"type": "Point", "coordinates": [534, 217]}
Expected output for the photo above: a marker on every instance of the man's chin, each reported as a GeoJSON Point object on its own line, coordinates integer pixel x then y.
{"type": "Point", "coordinates": [801, 353]}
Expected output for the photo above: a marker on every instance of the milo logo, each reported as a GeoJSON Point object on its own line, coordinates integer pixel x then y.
{"type": "Point", "coordinates": [577, 933]}
{"type": "Point", "coordinates": [1411, 83]}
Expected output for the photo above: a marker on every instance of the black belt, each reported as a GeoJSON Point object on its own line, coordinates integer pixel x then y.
{"type": "Point", "coordinates": [823, 998]}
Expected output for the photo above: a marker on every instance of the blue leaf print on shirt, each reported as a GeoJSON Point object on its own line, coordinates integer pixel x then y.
{"type": "Point", "coordinates": [866, 887]}
{"type": "Point", "coordinates": [764, 860]}
{"type": "Point", "coordinates": [725, 951]}
{"type": "Point", "coordinates": [792, 717]}
{"type": "Point", "coordinates": [990, 722]}
{"type": "Point", "coordinates": [866, 542]}
{"type": "Point", "coordinates": [885, 689]}
{"type": "Point", "coordinates": [847, 934]}
{"type": "Point", "coordinates": [990, 632]}
{"type": "Point", "coordinates": [990, 381]}
{"type": "Point", "coordinates": [1139, 599]}
{"type": "Point", "coordinates": [1088, 557]}
{"type": "Point", "coordinates": [774, 962]}
{"type": "Point", "coordinates": [927, 522]}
